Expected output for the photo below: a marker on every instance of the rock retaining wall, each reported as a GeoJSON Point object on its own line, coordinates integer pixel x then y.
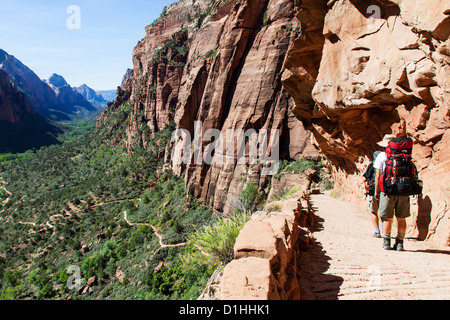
{"type": "Point", "coordinates": [267, 252]}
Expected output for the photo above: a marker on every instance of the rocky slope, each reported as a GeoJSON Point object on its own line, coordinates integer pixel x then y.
{"type": "Point", "coordinates": [362, 69]}
{"type": "Point", "coordinates": [39, 93]}
{"type": "Point", "coordinates": [220, 63]}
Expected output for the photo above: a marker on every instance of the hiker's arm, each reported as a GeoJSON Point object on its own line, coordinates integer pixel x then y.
{"type": "Point", "coordinates": [377, 184]}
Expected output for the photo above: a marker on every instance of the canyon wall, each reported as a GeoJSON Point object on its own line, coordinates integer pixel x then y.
{"type": "Point", "coordinates": [218, 63]}
{"type": "Point", "coordinates": [14, 106]}
{"type": "Point", "coordinates": [363, 69]}
{"type": "Point", "coordinates": [21, 128]}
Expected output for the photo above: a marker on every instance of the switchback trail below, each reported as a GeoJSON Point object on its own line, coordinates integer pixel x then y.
{"type": "Point", "coordinates": [347, 262]}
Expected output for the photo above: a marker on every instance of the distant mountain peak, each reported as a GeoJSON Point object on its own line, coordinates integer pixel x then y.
{"type": "Point", "coordinates": [94, 97]}
{"type": "Point", "coordinates": [3, 55]}
{"type": "Point", "coordinates": [57, 81]}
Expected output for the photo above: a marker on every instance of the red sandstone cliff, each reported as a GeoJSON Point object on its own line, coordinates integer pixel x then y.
{"type": "Point", "coordinates": [362, 69]}
{"type": "Point", "coordinates": [220, 63]}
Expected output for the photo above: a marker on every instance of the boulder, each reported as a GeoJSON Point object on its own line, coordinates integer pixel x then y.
{"type": "Point", "coordinates": [248, 279]}
{"type": "Point", "coordinates": [92, 281]}
{"type": "Point", "coordinates": [120, 275]}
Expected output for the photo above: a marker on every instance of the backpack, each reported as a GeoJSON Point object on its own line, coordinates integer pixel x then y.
{"type": "Point", "coordinates": [369, 174]}
{"type": "Point", "coordinates": [400, 175]}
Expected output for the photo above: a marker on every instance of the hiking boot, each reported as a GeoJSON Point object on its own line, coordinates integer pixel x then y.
{"type": "Point", "coordinates": [377, 235]}
{"type": "Point", "coordinates": [387, 244]}
{"type": "Point", "coordinates": [398, 245]}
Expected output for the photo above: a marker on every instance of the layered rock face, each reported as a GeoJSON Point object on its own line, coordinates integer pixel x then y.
{"type": "Point", "coordinates": [363, 69]}
{"type": "Point", "coordinates": [218, 63]}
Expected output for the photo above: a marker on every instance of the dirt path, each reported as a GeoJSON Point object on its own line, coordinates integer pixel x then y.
{"type": "Point", "coordinates": [4, 189]}
{"type": "Point", "coordinates": [155, 231]}
{"type": "Point", "coordinates": [346, 262]}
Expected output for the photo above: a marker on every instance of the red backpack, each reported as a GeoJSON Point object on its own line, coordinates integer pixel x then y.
{"type": "Point", "coordinates": [400, 175]}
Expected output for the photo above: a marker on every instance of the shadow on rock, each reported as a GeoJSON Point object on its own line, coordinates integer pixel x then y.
{"type": "Point", "coordinates": [315, 284]}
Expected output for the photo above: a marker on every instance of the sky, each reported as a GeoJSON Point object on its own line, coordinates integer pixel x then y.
{"type": "Point", "coordinates": [85, 41]}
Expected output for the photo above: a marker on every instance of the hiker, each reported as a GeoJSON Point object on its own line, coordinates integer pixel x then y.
{"type": "Point", "coordinates": [397, 180]}
{"type": "Point", "coordinates": [372, 203]}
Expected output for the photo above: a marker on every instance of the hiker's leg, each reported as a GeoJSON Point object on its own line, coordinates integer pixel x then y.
{"type": "Point", "coordinates": [376, 226]}
{"type": "Point", "coordinates": [402, 211]}
{"type": "Point", "coordinates": [401, 231]}
{"type": "Point", "coordinates": [386, 212]}
{"type": "Point", "coordinates": [401, 226]}
{"type": "Point", "coordinates": [387, 226]}
{"type": "Point", "coordinates": [373, 208]}
{"type": "Point", "coordinates": [375, 219]}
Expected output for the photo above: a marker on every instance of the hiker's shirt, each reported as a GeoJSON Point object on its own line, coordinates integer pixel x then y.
{"type": "Point", "coordinates": [380, 162]}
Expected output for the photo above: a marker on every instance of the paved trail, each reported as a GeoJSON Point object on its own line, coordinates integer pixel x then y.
{"type": "Point", "coordinates": [346, 262]}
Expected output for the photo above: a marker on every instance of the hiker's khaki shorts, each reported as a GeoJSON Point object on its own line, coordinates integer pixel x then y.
{"type": "Point", "coordinates": [390, 205]}
{"type": "Point", "coordinates": [372, 204]}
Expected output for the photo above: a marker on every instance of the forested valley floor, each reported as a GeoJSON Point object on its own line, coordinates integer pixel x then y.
{"type": "Point", "coordinates": [62, 209]}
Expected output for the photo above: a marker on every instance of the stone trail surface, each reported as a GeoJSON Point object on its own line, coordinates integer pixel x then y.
{"type": "Point", "coordinates": [346, 262]}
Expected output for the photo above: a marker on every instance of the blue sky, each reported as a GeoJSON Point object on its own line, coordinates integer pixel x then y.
{"type": "Point", "coordinates": [98, 54]}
